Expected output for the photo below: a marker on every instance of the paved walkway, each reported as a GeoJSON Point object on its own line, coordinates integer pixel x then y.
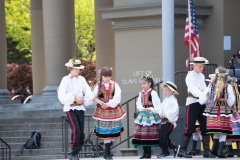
{"type": "Point", "coordinates": [153, 157]}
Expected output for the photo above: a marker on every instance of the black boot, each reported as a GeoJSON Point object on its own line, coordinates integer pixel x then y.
{"type": "Point", "coordinates": [238, 148]}
{"type": "Point", "coordinates": [74, 157]}
{"type": "Point", "coordinates": [183, 149]}
{"type": "Point", "coordinates": [230, 154]}
{"type": "Point", "coordinates": [175, 148]}
{"type": "Point", "coordinates": [108, 155]}
{"type": "Point", "coordinates": [194, 148]}
{"type": "Point", "coordinates": [149, 153]}
{"type": "Point", "coordinates": [207, 153]}
{"type": "Point", "coordinates": [220, 150]}
{"type": "Point", "coordinates": [164, 154]}
{"type": "Point", "coordinates": [74, 154]}
{"type": "Point", "coordinates": [144, 152]}
{"type": "Point", "coordinates": [214, 147]}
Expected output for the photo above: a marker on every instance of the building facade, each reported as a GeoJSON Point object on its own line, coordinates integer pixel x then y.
{"type": "Point", "coordinates": [128, 38]}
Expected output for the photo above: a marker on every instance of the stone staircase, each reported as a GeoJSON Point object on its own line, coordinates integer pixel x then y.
{"type": "Point", "coordinates": [17, 121]}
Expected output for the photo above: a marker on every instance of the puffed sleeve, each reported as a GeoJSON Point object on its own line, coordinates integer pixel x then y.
{"type": "Point", "coordinates": [64, 97]}
{"type": "Point", "coordinates": [88, 94]}
{"type": "Point", "coordinates": [156, 102]}
{"type": "Point", "coordinates": [203, 98]}
{"type": "Point", "coordinates": [116, 98]}
{"type": "Point", "coordinates": [139, 103]}
{"type": "Point", "coordinates": [231, 97]}
{"type": "Point", "coordinates": [172, 110]}
{"type": "Point", "coordinates": [192, 87]}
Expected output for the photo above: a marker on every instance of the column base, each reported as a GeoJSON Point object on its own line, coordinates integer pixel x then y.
{"type": "Point", "coordinates": [5, 97]}
{"type": "Point", "coordinates": [4, 94]}
{"type": "Point", "coordinates": [49, 95]}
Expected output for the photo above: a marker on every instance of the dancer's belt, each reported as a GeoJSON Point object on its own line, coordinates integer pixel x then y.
{"type": "Point", "coordinates": [192, 96]}
{"type": "Point", "coordinates": [147, 106]}
{"type": "Point", "coordinates": [75, 104]}
{"type": "Point", "coordinates": [165, 120]}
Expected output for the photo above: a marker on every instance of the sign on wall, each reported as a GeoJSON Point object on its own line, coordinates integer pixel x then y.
{"type": "Point", "coordinates": [137, 77]}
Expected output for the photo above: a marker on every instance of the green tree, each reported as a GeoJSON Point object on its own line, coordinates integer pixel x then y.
{"type": "Point", "coordinates": [85, 31]}
{"type": "Point", "coordinates": [18, 31]}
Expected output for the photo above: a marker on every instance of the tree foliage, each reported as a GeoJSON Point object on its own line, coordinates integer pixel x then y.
{"type": "Point", "coordinates": [85, 31]}
{"type": "Point", "coordinates": [18, 30]}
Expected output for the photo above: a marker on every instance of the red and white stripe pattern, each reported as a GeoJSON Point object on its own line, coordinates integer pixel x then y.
{"type": "Point", "coordinates": [191, 36]}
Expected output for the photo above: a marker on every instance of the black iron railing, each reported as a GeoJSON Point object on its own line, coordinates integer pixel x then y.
{"type": "Point", "coordinates": [5, 150]}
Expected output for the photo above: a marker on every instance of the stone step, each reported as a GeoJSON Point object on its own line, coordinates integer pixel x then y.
{"type": "Point", "coordinates": [22, 140]}
{"type": "Point", "coordinates": [44, 145]}
{"type": "Point", "coordinates": [30, 126]}
{"type": "Point", "coordinates": [30, 113]}
{"type": "Point", "coordinates": [31, 106]}
{"type": "Point", "coordinates": [37, 106]}
{"type": "Point", "coordinates": [30, 120]}
{"type": "Point", "coordinates": [40, 157]}
{"type": "Point", "coordinates": [24, 133]}
{"type": "Point", "coordinates": [9, 101]}
{"type": "Point", "coordinates": [37, 152]}
{"type": "Point", "coordinates": [16, 128]}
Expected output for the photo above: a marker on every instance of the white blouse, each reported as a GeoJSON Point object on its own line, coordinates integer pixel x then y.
{"type": "Point", "coordinates": [195, 85]}
{"type": "Point", "coordinates": [70, 87]}
{"type": "Point", "coordinates": [155, 100]}
{"type": "Point", "coordinates": [170, 109]}
{"type": "Point", "coordinates": [117, 94]}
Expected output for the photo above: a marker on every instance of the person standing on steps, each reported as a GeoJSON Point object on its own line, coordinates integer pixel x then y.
{"type": "Point", "coordinates": [74, 93]}
{"type": "Point", "coordinates": [196, 86]}
{"type": "Point", "coordinates": [108, 115]}
{"type": "Point", "coordinates": [146, 132]}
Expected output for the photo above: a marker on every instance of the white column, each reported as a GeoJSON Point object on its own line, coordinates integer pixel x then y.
{"type": "Point", "coordinates": [104, 37]}
{"type": "Point", "coordinates": [37, 39]}
{"type": "Point", "coordinates": [3, 54]}
{"type": "Point", "coordinates": [59, 44]}
{"type": "Point", "coordinates": [168, 67]}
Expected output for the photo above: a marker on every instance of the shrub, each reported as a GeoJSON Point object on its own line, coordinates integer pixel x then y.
{"type": "Point", "coordinates": [19, 80]}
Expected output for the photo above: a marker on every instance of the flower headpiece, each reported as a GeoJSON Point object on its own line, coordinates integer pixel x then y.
{"type": "Point", "coordinates": [148, 77]}
{"type": "Point", "coordinates": [100, 70]}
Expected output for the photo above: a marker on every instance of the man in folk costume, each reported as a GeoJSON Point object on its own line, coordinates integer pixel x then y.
{"type": "Point", "coordinates": [169, 115]}
{"type": "Point", "coordinates": [74, 93]}
{"type": "Point", "coordinates": [196, 85]}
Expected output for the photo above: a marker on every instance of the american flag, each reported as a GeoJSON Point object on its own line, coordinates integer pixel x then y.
{"type": "Point", "coordinates": [191, 36]}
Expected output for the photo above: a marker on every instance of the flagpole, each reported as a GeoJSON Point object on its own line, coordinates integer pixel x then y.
{"type": "Point", "coordinates": [189, 32]}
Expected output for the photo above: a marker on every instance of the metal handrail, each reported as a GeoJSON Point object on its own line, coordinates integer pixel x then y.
{"type": "Point", "coordinates": [5, 149]}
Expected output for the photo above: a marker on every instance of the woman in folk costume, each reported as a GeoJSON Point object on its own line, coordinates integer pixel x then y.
{"type": "Point", "coordinates": [146, 133]}
{"type": "Point", "coordinates": [218, 110]}
{"type": "Point", "coordinates": [108, 115]}
{"type": "Point", "coordinates": [235, 119]}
